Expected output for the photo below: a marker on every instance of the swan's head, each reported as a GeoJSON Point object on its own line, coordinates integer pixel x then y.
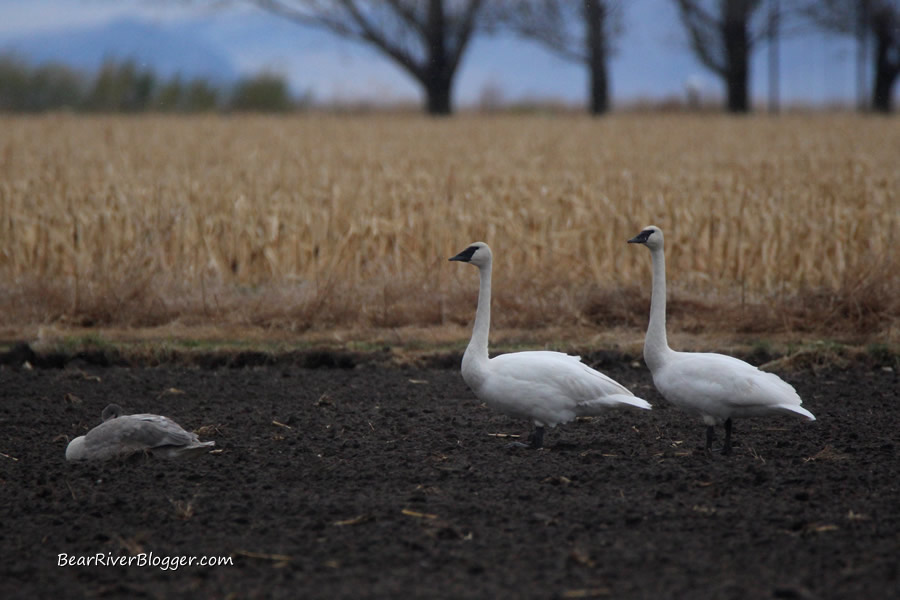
{"type": "Point", "coordinates": [75, 449]}
{"type": "Point", "coordinates": [479, 254]}
{"type": "Point", "coordinates": [111, 412]}
{"type": "Point", "coordinates": [651, 236]}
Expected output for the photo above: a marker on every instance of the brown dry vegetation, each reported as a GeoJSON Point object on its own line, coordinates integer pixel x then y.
{"type": "Point", "coordinates": [307, 224]}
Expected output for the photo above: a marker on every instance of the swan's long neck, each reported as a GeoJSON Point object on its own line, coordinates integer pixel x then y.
{"type": "Point", "coordinates": [475, 360]}
{"type": "Point", "coordinates": [656, 346]}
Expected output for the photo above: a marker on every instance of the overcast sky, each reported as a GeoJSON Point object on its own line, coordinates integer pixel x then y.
{"type": "Point", "coordinates": [652, 61]}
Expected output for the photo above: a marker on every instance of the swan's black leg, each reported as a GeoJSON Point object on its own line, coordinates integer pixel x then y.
{"type": "Point", "coordinates": [726, 449]}
{"type": "Point", "coordinates": [535, 440]}
{"type": "Point", "coordinates": [710, 436]}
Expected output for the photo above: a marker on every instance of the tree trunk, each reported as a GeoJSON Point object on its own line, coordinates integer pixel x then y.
{"type": "Point", "coordinates": [886, 73]}
{"type": "Point", "coordinates": [437, 79]}
{"type": "Point", "coordinates": [737, 91]}
{"type": "Point", "coordinates": [737, 50]}
{"type": "Point", "coordinates": [438, 95]}
{"type": "Point", "coordinates": [599, 89]}
{"type": "Point", "coordinates": [882, 98]}
{"type": "Point", "coordinates": [595, 21]}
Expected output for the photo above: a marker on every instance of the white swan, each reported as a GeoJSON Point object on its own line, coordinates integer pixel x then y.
{"type": "Point", "coordinates": [121, 435]}
{"type": "Point", "coordinates": [546, 387]}
{"type": "Point", "coordinates": [715, 386]}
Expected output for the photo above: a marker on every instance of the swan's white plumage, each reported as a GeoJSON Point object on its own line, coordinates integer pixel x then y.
{"type": "Point", "coordinates": [714, 386]}
{"type": "Point", "coordinates": [548, 388]}
{"type": "Point", "coordinates": [121, 435]}
{"type": "Point", "coordinates": [718, 387]}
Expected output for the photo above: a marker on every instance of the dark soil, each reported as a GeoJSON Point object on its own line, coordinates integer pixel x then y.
{"type": "Point", "coordinates": [388, 483]}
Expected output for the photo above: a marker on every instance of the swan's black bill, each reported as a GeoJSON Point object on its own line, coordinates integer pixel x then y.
{"type": "Point", "coordinates": [465, 255]}
{"type": "Point", "coordinates": [642, 237]}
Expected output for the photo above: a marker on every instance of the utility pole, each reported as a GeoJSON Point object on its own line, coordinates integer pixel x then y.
{"type": "Point", "coordinates": [774, 66]}
{"type": "Point", "coordinates": [862, 55]}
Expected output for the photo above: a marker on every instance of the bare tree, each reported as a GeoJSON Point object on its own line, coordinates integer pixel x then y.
{"type": "Point", "coordinates": [879, 19]}
{"type": "Point", "coordinates": [426, 38]}
{"type": "Point", "coordinates": [577, 31]}
{"type": "Point", "coordinates": [723, 35]}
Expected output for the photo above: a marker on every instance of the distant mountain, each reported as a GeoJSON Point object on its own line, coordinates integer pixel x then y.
{"type": "Point", "coordinates": [165, 52]}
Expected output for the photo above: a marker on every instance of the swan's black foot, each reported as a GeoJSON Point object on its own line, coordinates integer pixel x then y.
{"type": "Point", "coordinates": [535, 440]}
{"type": "Point", "coordinates": [518, 445]}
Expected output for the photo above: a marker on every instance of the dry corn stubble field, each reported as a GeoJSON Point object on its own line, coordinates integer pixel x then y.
{"type": "Point", "coordinates": [310, 223]}
{"type": "Point", "coordinates": [342, 483]}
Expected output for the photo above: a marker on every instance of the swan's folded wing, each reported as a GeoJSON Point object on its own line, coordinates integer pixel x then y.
{"type": "Point", "coordinates": [134, 433]}
{"type": "Point", "coordinates": [561, 372]}
{"type": "Point", "coordinates": [156, 430]}
{"type": "Point", "coordinates": [723, 380]}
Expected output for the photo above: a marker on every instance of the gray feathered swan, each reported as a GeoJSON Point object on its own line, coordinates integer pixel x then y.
{"type": "Point", "coordinates": [121, 435]}
{"type": "Point", "coordinates": [546, 387]}
{"type": "Point", "coordinates": [715, 386]}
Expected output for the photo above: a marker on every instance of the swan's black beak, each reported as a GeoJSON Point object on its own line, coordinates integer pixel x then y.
{"type": "Point", "coordinates": [642, 237]}
{"type": "Point", "coordinates": [465, 255]}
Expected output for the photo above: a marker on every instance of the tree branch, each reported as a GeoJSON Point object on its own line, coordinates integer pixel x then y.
{"type": "Point", "coordinates": [703, 30]}
{"type": "Point", "coordinates": [545, 22]}
{"type": "Point", "coordinates": [408, 15]}
{"type": "Point", "coordinates": [370, 34]}
{"type": "Point", "coordinates": [464, 34]}
{"type": "Point", "coordinates": [350, 23]}
{"type": "Point", "coordinates": [317, 19]}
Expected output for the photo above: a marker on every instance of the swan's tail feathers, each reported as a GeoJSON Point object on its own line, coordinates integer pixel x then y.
{"type": "Point", "coordinates": [201, 446]}
{"type": "Point", "coordinates": [598, 406]}
{"type": "Point", "coordinates": [629, 401]}
{"type": "Point", "coordinates": [797, 410]}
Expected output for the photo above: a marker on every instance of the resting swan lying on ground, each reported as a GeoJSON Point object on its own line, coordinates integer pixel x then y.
{"type": "Point", "coordinates": [546, 387]}
{"type": "Point", "coordinates": [715, 386]}
{"type": "Point", "coordinates": [121, 435]}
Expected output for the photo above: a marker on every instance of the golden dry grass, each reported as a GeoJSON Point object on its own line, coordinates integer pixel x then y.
{"type": "Point", "coordinates": [310, 223]}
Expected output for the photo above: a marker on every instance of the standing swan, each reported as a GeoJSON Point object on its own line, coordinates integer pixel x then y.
{"type": "Point", "coordinates": [121, 435]}
{"type": "Point", "coordinates": [715, 386]}
{"type": "Point", "coordinates": [546, 387]}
